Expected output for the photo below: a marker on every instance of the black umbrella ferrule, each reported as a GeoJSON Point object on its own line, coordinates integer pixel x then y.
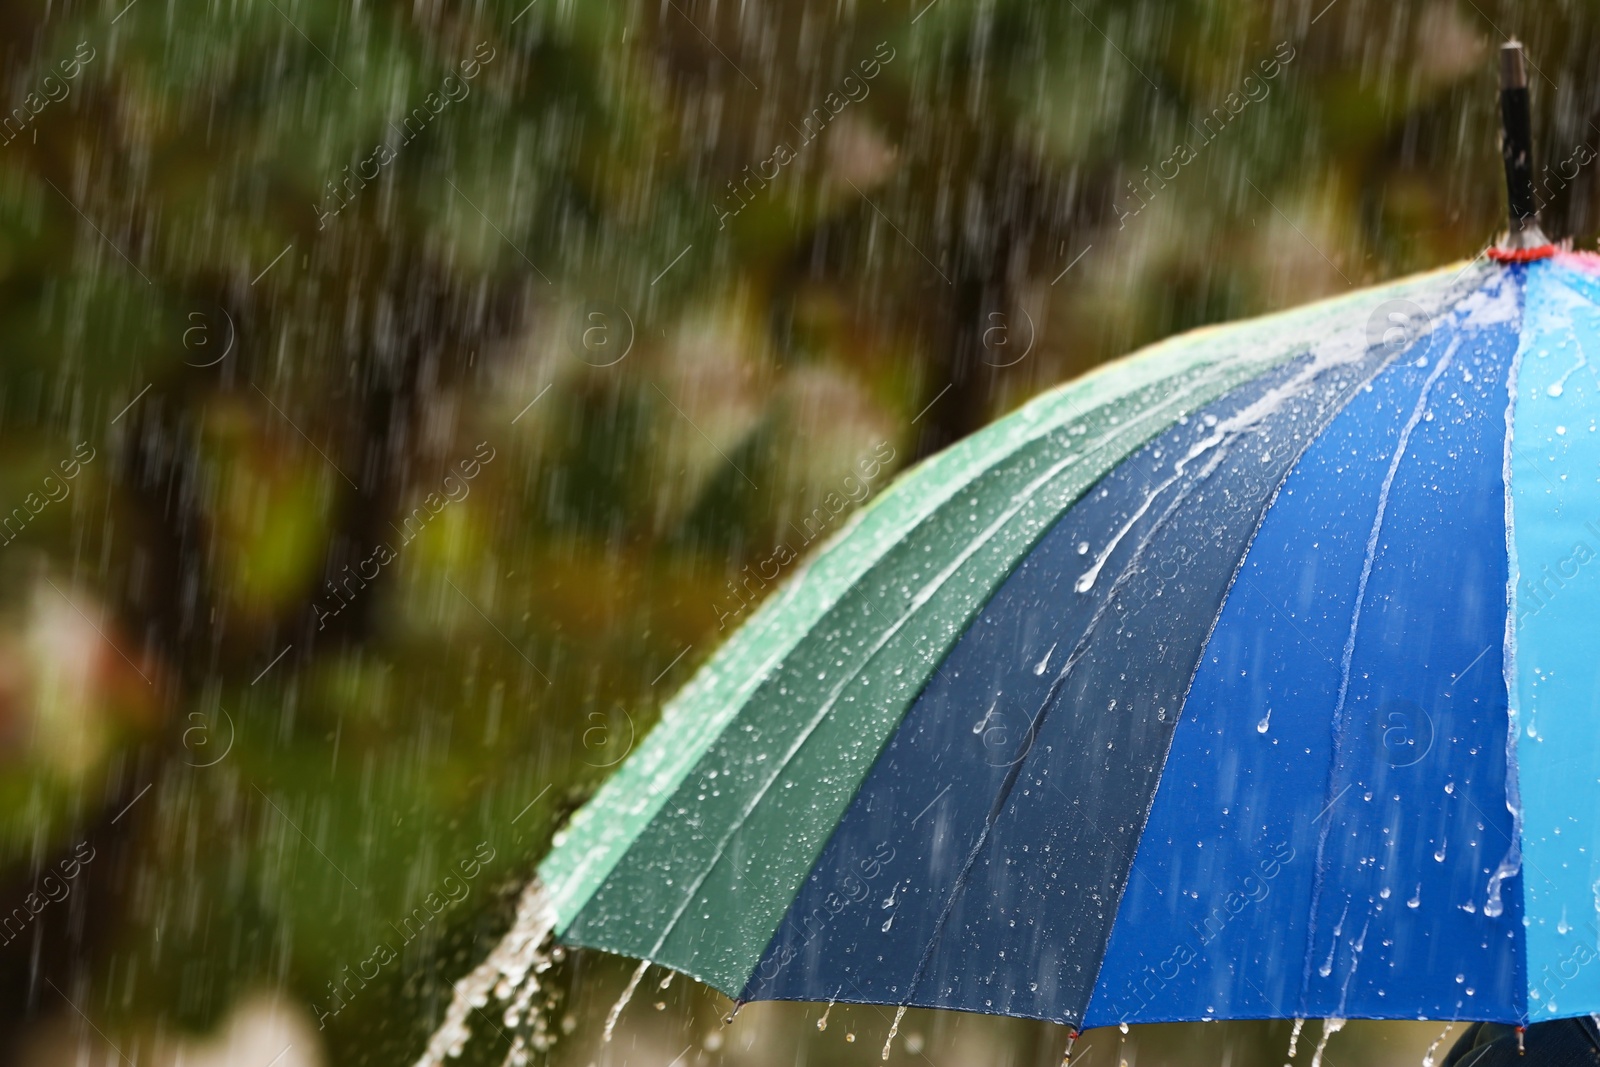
{"type": "Point", "coordinates": [1524, 239]}
{"type": "Point", "coordinates": [1516, 141]}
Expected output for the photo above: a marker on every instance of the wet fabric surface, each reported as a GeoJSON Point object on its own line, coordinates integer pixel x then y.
{"type": "Point", "coordinates": [1231, 729]}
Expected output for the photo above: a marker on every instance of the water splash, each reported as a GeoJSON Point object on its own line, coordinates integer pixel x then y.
{"type": "Point", "coordinates": [1510, 864]}
{"type": "Point", "coordinates": [622, 1001]}
{"type": "Point", "coordinates": [1294, 1036]}
{"type": "Point", "coordinates": [894, 1028]}
{"type": "Point", "coordinates": [1336, 352]}
{"type": "Point", "coordinates": [1427, 1059]}
{"type": "Point", "coordinates": [540, 1039]}
{"type": "Point", "coordinates": [822, 1023]}
{"type": "Point", "coordinates": [508, 973]}
{"type": "Point", "coordinates": [1330, 1027]}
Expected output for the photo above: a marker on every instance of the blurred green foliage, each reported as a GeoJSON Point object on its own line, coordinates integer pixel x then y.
{"type": "Point", "coordinates": [550, 267]}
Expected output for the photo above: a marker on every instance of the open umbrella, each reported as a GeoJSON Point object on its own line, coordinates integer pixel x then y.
{"type": "Point", "coordinates": [1251, 676]}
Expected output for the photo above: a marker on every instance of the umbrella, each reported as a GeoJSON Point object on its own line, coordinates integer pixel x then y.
{"type": "Point", "coordinates": [1250, 676]}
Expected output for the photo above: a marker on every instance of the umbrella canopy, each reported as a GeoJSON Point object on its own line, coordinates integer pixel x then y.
{"type": "Point", "coordinates": [1251, 676]}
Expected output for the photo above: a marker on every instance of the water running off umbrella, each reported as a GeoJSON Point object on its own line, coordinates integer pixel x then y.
{"type": "Point", "coordinates": [510, 973]}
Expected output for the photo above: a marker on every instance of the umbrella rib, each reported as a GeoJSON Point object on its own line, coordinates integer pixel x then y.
{"type": "Point", "coordinates": [1110, 841]}
{"type": "Point", "coordinates": [1239, 572]}
{"type": "Point", "coordinates": [1201, 371]}
{"type": "Point", "coordinates": [1045, 706]}
{"type": "Point", "coordinates": [1445, 302]}
{"type": "Point", "coordinates": [926, 593]}
{"type": "Point", "coordinates": [1401, 448]}
{"type": "Point", "coordinates": [1223, 444]}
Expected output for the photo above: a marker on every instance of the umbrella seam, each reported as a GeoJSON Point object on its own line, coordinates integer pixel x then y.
{"type": "Point", "coordinates": [1335, 411]}
{"type": "Point", "coordinates": [1402, 445]}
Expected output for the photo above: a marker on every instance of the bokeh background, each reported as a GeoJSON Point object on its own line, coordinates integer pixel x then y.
{"type": "Point", "coordinates": [392, 394]}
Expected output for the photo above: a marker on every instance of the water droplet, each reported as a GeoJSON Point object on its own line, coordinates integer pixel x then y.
{"type": "Point", "coordinates": [1294, 1036]}
{"type": "Point", "coordinates": [622, 1001]}
{"type": "Point", "coordinates": [1427, 1059]}
{"type": "Point", "coordinates": [894, 1028]}
{"type": "Point", "coordinates": [1329, 1028]}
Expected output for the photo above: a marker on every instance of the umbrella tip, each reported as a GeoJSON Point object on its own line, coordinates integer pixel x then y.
{"type": "Point", "coordinates": [1523, 239]}
{"type": "Point", "coordinates": [1513, 68]}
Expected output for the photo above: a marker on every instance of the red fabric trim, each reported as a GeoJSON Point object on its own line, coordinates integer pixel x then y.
{"type": "Point", "coordinates": [1521, 255]}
